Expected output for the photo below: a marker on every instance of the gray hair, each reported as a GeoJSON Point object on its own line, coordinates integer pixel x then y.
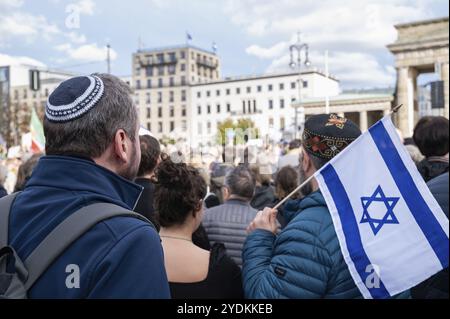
{"type": "Point", "coordinates": [240, 182]}
{"type": "Point", "coordinates": [90, 135]}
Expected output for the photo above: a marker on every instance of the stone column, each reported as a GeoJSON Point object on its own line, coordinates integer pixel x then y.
{"type": "Point", "coordinates": [363, 125]}
{"type": "Point", "coordinates": [444, 77]}
{"type": "Point", "coordinates": [406, 82]}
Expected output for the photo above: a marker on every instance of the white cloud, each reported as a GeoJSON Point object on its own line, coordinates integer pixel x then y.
{"type": "Point", "coordinates": [85, 53]}
{"type": "Point", "coordinates": [4, 4]}
{"type": "Point", "coordinates": [76, 38]}
{"type": "Point", "coordinates": [19, 60]}
{"type": "Point", "coordinates": [349, 29]}
{"type": "Point", "coordinates": [85, 7]}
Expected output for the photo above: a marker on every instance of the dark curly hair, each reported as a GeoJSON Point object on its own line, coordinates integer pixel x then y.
{"type": "Point", "coordinates": [178, 192]}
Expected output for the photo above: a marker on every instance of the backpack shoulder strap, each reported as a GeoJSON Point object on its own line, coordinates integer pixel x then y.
{"type": "Point", "coordinates": [5, 209]}
{"type": "Point", "coordinates": [72, 228]}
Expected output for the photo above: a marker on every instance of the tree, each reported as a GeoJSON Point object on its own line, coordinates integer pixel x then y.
{"type": "Point", "coordinates": [241, 130]}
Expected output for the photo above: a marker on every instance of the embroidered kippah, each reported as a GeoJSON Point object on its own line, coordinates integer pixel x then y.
{"type": "Point", "coordinates": [73, 98]}
{"type": "Point", "coordinates": [326, 135]}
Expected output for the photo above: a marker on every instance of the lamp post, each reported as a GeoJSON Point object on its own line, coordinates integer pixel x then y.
{"type": "Point", "coordinates": [299, 47]}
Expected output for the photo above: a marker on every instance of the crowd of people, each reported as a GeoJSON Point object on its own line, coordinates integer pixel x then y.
{"type": "Point", "coordinates": [209, 231]}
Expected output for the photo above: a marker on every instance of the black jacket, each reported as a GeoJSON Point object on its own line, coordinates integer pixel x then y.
{"type": "Point", "coordinates": [264, 197]}
{"type": "Point", "coordinates": [430, 168]}
{"type": "Point", "coordinates": [145, 203]}
{"type": "Point", "coordinates": [437, 286]}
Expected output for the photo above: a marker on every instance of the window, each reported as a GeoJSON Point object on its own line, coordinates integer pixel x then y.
{"type": "Point", "coordinates": [172, 57]}
{"type": "Point", "coordinates": [259, 88]}
{"type": "Point", "coordinates": [183, 125]}
{"type": "Point", "coordinates": [249, 106]}
{"type": "Point", "coordinates": [182, 54]}
{"type": "Point", "coordinates": [183, 96]}
{"type": "Point", "coordinates": [208, 109]}
{"type": "Point", "coordinates": [183, 80]}
{"type": "Point", "coordinates": [228, 107]}
{"type": "Point", "coordinates": [147, 100]}
{"type": "Point", "coordinates": [293, 85]}
{"type": "Point", "coordinates": [171, 96]}
{"type": "Point", "coordinates": [218, 93]}
{"type": "Point", "coordinates": [149, 126]}
{"type": "Point", "coordinates": [160, 127]}
{"type": "Point", "coordinates": [281, 86]}
{"type": "Point", "coordinates": [160, 111]}
{"type": "Point", "coordinates": [228, 91]}
{"type": "Point", "coordinates": [148, 112]}
{"type": "Point", "coordinates": [159, 97]}
{"type": "Point", "coordinates": [161, 70]}
{"type": "Point", "coordinates": [183, 111]}
{"type": "Point", "coordinates": [171, 69]}
{"type": "Point", "coordinates": [282, 123]}
{"type": "Point", "coordinates": [160, 57]}
{"type": "Point", "coordinates": [254, 106]}
{"type": "Point", "coordinates": [305, 84]}
{"type": "Point", "coordinates": [149, 70]}
{"type": "Point", "coordinates": [208, 93]}
{"type": "Point", "coordinates": [193, 68]}
{"type": "Point", "coordinates": [270, 122]}
{"type": "Point", "coordinates": [182, 67]}
{"type": "Point", "coordinates": [199, 110]}
{"type": "Point", "coordinates": [199, 94]}
{"type": "Point", "coordinates": [200, 128]}
{"type": "Point", "coordinates": [171, 82]}
{"type": "Point", "coordinates": [238, 90]}
{"type": "Point", "coordinates": [243, 107]}
{"type": "Point", "coordinates": [138, 87]}
{"type": "Point", "coordinates": [172, 126]}
{"type": "Point", "coordinates": [270, 87]}
{"type": "Point", "coordinates": [281, 103]}
{"type": "Point", "coordinates": [160, 83]}
{"type": "Point", "coordinates": [270, 104]}
{"type": "Point", "coordinates": [149, 84]}
{"type": "Point", "coordinates": [16, 94]}
{"type": "Point", "coordinates": [208, 127]}
{"type": "Point", "coordinates": [171, 111]}
{"type": "Point", "coordinates": [218, 108]}
{"type": "Point", "coordinates": [249, 89]}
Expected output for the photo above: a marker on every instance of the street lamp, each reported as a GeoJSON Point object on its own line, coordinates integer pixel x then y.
{"type": "Point", "coordinates": [298, 48]}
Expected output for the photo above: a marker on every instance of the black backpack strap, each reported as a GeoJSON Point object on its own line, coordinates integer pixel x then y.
{"type": "Point", "coordinates": [72, 228]}
{"type": "Point", "coordinates": [5, 208]}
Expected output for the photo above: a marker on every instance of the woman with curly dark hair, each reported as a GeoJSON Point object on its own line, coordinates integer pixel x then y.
{"type": "Point", "coordinates": [192, 271]}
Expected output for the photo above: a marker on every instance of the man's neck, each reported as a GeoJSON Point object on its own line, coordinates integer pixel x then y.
{"type": "Point", "coordinates": [239, 198]}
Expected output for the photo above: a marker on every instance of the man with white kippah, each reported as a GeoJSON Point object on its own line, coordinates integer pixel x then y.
{"type": "Point", "coordinates": [91, 128]}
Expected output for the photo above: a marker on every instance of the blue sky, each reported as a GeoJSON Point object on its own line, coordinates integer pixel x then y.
{"type": "Point", "coordinates": [253, 36]}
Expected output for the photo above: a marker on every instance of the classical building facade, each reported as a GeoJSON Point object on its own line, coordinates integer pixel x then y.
{"type": "Point", "coordinates": [421, 47]}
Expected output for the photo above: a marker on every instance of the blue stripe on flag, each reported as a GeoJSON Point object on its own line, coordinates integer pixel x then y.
{"type": "Point", "coordinates": [423, 215]}
{"type": "Point", "coordinates": [351, 230]}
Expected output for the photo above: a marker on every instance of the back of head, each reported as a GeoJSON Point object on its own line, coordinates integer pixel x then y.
{"type": "Point", "coordinates": [25, 171]}
{"type": "Point", "coordinates": [326, 135]}
{"type": "Point", "coordinates": [150, 154]}
{"type": "Point", "coordinates": [295, 144]}
{"type": "Point", "coordinates": [84, 113]}
{"type": "Point", "coordinates": [431, 135]}
{"type": "Point", "coordinates": [286, 181]}
{"type": "Point", "coordinates": [260, 178]}
{"type": "Point", "coordinates": [240, 182]}
{"type": "Point", "coordinates": [178, 193]}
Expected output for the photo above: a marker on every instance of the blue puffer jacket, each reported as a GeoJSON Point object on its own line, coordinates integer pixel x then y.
{"type": "Point", "coordinates": [303, 261]}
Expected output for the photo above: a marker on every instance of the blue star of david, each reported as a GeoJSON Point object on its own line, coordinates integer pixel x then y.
{"type": "Point", "coordinates": [389, 216]}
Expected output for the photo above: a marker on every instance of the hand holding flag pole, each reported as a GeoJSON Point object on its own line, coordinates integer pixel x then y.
{"type": "Point", "coordinates": [309, 179]}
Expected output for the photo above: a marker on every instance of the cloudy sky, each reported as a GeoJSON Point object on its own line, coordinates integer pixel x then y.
{"type": "Point", "coordinates": [253, 36]}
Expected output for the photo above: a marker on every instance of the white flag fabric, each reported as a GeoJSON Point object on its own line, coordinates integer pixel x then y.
{"type": "Point", "coordinates": [392, 232]}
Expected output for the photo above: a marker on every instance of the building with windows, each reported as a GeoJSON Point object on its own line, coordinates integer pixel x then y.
{"type": "Point", "coordinates": [162, 78]}
{"type": "Point", "coordinates": [266, 100]}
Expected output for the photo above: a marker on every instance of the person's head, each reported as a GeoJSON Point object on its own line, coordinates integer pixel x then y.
{"type": "Point", "coordinates": [94, 117]}
{"type": "Point", "coordinates": [179, 194]}
{"type": "Point", "coordinates": [286, 181]}
{"type": "Point", "coordinates": [295, 144]}
{"type": "Point", "coordinates": [239, 183]}
{"type": "Point", "coordinates": [431, 135]}
{"type": "Point", "coordinates": [324, 137]}
{"type": "Point", "coordinates": [260, 178]}
{"type": "Point", "coordinates": [150, 155]}
{"type": "Point", "coordinates": [25, 171]}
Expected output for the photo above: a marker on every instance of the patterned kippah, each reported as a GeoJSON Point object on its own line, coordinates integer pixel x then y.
{"type": "Point", "coordinates": [74, 98]}
{"type": "Point", "coordinates": [326, 135]}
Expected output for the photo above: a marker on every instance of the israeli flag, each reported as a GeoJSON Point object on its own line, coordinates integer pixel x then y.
{"type": "Point", "coordinates": [392, 232]}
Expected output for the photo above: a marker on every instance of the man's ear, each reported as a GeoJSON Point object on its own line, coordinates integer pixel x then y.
{"type": "Point", "coordinates": [225, 193]}
{"type": "Point", "coordinates": [120, 146]}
